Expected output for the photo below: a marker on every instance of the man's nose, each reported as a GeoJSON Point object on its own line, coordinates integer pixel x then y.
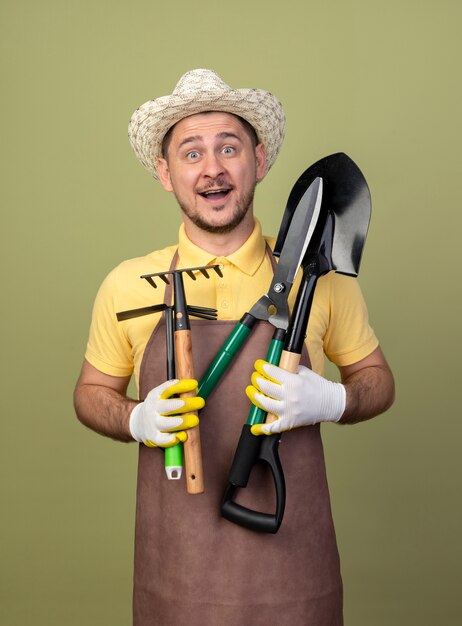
{"type": "Point", "coordinates": [213, 166]}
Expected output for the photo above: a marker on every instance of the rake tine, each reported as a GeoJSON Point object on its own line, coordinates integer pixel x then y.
{"type": "Point", "coordinates": [204, 272]}
{"type": "Point", "coordinates": [164, 278]}
{"type": "Point", "coordinates": [218, 270]}
{"type": "Point", "coordinates": [162, 275]}
{"type": "Point", "coordinates": [205, 309]}
{"type": "Point", "coordinates": [202, 312]}
{"type": "Point", "coordinates": [150, 281]}
{"type": "Point", "coordinates": [204, 316]}
{"type": "Point", "coordinates": [190, 274]}
{"type": "Point", "coordinates": [146, 310]}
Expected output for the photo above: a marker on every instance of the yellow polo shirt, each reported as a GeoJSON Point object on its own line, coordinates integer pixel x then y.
{"type": "Point", "coordinates": [338, 326]}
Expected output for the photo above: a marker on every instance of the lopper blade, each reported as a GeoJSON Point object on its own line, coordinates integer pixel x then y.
{"type": "Point", "coordinates": [273, 306]}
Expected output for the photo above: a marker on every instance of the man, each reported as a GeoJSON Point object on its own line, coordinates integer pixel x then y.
{"type": "Point", "coordinates": [210, 145]}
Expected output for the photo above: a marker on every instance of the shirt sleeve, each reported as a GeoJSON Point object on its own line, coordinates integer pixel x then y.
{"type": "Point", "coordinates": [108, 348]}
{"type": "Point", "coordinates": [349, 337]}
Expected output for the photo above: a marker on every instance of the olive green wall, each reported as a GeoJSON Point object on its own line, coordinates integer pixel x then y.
{"type": "Point", "coordinates": [377, 80]}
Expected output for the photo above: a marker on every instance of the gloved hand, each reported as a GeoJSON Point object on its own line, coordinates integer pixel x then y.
{"type": "Point", "coordinates": [150, 422]}
{"type": "Point", "coordinates": [301, 399]}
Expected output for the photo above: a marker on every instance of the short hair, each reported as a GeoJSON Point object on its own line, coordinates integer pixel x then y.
{"type": "Point", "coordinates": [251, 132]}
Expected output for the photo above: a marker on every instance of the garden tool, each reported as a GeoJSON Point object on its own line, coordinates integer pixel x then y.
{"type": "Point", "coordinates": [273, 306]}
{"type": "Point", "coordinates": [179, 357]}
{"type": "Point", "coordinates": [337, 245]}
{"type": "Point", "coordinates": [184, 365]}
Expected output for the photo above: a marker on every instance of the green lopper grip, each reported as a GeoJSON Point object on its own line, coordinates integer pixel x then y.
{"type": "Point", "coordinates": [226, 354]}
{"type": "Point", "coordinates": [273, 356]}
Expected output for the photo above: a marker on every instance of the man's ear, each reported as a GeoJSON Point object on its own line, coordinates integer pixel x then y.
{"type": "Point", "coordinates": [164, 174]}
{"type": "Point", "coordinates": [260, 156]}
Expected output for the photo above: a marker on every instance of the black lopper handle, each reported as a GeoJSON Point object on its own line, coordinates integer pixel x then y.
{"type": "Point", "coordinates": [250, 450]}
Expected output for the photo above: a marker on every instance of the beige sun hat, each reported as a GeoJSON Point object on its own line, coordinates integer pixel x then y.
{"type": "Point", "coordinates": [198, 91]}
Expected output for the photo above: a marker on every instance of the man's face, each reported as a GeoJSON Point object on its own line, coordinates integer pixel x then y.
{"type": "Point", "coordinates": [212, 167]}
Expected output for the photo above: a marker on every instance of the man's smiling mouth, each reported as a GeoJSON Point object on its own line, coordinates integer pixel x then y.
{"type": "Point", "coordinates": [215, 194]}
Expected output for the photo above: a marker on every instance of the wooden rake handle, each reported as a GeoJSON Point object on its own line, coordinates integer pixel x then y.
{"type": "Point", "coordinates": [192, 446]}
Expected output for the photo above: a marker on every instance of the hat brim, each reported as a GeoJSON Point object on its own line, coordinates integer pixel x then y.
{"type": "Point", "coordinates": [151, 121]}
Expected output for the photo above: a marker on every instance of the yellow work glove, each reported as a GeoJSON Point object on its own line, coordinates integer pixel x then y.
{"type": "Point", "coordinates": [155, 422]}
{"type": "Point", "coordinates": [300, 399]}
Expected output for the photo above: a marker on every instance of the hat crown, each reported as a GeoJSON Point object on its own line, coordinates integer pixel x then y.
{"type": "Point", "coordinates": [200, 80]}
{"type": "Point", "coordinates": [200, 91]}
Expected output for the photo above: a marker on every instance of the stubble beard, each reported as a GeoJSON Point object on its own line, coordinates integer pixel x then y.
{"type": "Point", "coordinates": [241, 209]}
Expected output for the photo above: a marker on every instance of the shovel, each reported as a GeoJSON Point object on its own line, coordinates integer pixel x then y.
{"type": "Point", "coordinates": [337, 245]}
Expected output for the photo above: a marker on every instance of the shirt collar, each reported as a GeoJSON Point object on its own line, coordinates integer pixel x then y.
{"type": "Point", "coordinates": [247, 258]}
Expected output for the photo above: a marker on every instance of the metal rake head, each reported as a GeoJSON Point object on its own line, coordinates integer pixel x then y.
{"type": "Point", "coordinates": [204, 270]}
{"type": "Point", "coordinates": [196, 311]}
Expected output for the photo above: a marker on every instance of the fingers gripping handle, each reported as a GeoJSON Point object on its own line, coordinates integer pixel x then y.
{"type": "Point", "coordinates": [289, 361]}
{"type": "Point", "coordinates": [250, 450]}
{"type": "Point", "coordinates": [273, 356]}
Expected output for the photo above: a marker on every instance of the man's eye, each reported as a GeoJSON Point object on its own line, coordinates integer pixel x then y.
{"type": "Point", "coordinates": [228, 150]}
{"type": "Point", "coordinates": [192, 155]}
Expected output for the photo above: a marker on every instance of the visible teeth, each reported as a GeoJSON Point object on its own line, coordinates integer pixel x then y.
{"type": "Point", "coordinates": [215, 192]}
